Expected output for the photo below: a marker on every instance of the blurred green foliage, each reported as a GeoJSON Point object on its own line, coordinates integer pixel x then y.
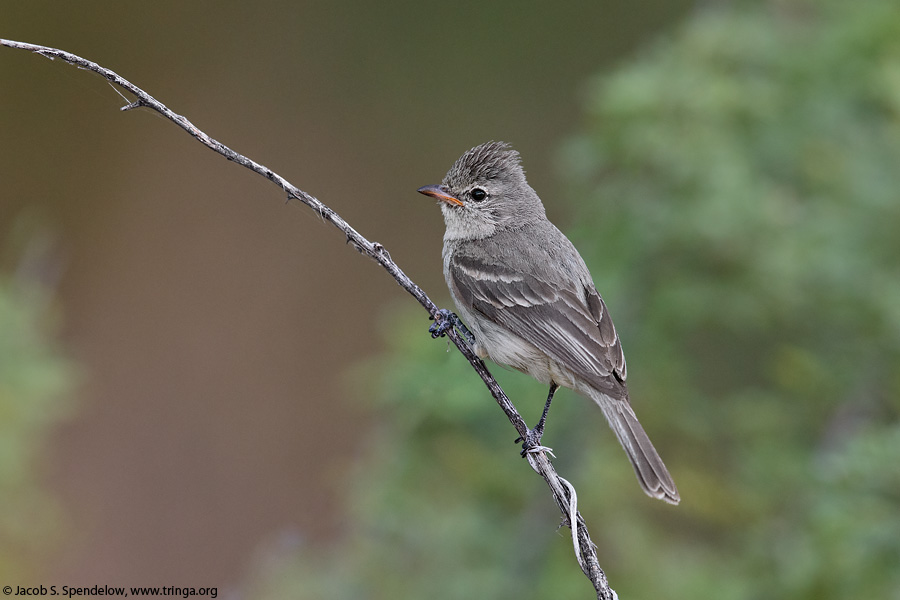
{"type": "Point", "coordinates": [737, 195]}
{"type": "Point", "coordinates": [35, 381]}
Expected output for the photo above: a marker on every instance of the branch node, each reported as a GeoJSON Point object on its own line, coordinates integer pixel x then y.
{"type": "Point", "coordinates": [138, 103]}
{"type": "Point", "coordinates": [378, 248]}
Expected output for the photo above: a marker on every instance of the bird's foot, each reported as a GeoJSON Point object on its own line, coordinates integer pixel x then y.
{"type": "Point", "coordinates": [440, 327]}
{"type": "Point", "coordinates": [448, 321]}
{"type": "Point", "coordinates": [531, 443]}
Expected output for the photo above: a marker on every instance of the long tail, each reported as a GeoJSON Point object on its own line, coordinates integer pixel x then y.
{"type": "Point", "coordinates": [648, 466]}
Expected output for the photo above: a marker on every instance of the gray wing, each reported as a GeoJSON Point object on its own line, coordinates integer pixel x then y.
{"type": "Point", "coordinates": [557, 311]}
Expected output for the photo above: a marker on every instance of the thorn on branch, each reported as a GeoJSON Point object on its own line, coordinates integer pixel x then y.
{"type": "Point", "coordinates": [357, 246]}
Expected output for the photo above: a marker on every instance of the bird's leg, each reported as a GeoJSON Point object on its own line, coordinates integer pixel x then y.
{"type": "Point", "coordinates": [447, 322]}
{"type": "Point", "coordinates": [532, 440]}
{"type": "Point", "coordinates": [470, 337]}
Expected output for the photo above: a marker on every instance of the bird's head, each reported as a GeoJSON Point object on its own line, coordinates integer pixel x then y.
{"type": "Point", "coordinates": [485, 190]}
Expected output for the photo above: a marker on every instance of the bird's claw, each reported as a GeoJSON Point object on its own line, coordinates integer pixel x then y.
{"type": "Point", "coordinates": [440, 328]}
{"type": "Point", "coordinates": [447, 322]}
{"type": "Point", "coordinates": [531, 443]}
{"type": "Point", "coordinates": [537, 450]}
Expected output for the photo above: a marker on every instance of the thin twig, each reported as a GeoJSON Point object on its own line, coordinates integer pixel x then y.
{"type": "Point", "coordinates": [562, 490]}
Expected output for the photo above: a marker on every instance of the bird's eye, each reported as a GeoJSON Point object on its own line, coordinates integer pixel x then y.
{"type": "Point", "coordinates": [478, 194]}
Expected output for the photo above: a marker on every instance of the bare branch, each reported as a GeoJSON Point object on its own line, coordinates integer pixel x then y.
{"type": "Point", "coordinates": [562, 490]}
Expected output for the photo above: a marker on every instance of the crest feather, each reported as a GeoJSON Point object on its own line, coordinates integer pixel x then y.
{"type": "Point", "coordinates": [490, 161]}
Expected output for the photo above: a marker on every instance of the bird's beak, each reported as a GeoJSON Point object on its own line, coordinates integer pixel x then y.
{"type": "Point", "coordinates": [436, 191]}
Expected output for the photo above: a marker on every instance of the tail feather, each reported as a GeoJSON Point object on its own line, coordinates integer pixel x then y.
{"type": "Point", "coordinates": [648, 466]}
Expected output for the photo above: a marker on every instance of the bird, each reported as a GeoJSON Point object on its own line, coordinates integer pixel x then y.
{"type": "Point", "coordinates": [528, 298]}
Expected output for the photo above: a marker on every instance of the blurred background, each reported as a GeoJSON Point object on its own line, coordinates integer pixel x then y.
{"type": "Point", "coordinates": [202, 385]}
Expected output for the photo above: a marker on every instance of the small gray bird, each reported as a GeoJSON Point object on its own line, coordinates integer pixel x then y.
{"type": "Point", "coordinates": [528, 298]}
